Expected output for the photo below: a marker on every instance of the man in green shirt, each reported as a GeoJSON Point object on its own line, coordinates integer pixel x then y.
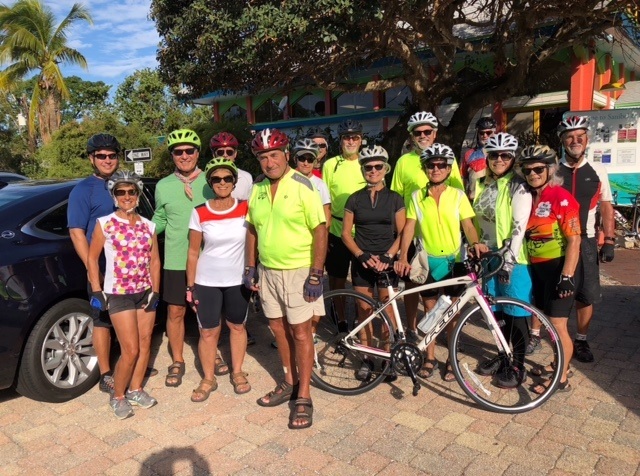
{"type": "Point", "coordinates": [176, 196]}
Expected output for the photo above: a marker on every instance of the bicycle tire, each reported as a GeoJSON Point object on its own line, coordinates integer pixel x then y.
{"type": "Point", "coordinates": [335, 366]}
{"type": "Point", "coordinates": [473, 344]}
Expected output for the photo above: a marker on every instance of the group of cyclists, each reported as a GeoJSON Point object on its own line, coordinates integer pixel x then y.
{"type": "Point", "coordinates": [226, 237]}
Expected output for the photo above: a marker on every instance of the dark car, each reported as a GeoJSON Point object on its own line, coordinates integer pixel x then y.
{"type": "Point", "coordinates": [8, 177]}
{"type": "Point", "coordinates": [46, 346]}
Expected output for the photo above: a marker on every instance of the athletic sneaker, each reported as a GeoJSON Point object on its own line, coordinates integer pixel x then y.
{"type": "Point", "coordinates": [365, 370]}
{"type": "Point", "coordinates": [533, 345]}
{"type": "Point", "coordinates": [121, 407]}
{"type": "Point", "coordinates": [491, 366]}
{"type": "Point", "coordinates": [510, 377]}
{"type": "Point", "coordinates": [582, 351]}
{"type": "Point", "coordinates": [413, 337]}
{"type": "Point", "coordinates": [141, 399]}
{"type": "Point", "coordinates": [106, 383]}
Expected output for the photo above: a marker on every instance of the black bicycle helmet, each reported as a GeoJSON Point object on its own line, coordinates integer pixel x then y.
{"type": "Point", "coordinates": [349, 127]}
{"type": "Point", "coordinates": [102, 142]}
{"type": "Point", "coordinates": [486, 122]}
{"type": "Point", "coordinates": [316, 133]}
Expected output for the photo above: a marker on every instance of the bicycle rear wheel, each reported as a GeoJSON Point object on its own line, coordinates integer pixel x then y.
{"type": "Point", "coordinates": [478, 364]}
{"type": "Point", "coordinates": [336, 367]}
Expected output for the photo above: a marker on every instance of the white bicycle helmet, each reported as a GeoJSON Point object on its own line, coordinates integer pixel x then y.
{"type": "Point", "coordinates": [124, 176]}
{"type": "Point", "coordinates": [306, 146]}
{"type": "Point", "coordinates": [422, 118]}
{"type": "Point", "coordinates": [437, 151]}
{"type": "Point", "coordinates": [374, 152]}
{"type": "Point", "coordinates": [501, 142]}
{"type": "Point", "coordinates": [573, 123]}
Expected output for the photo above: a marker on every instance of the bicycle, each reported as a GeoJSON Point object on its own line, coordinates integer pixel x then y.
{"type": "Point", "coordinates": [629, 221]}
{"type": "Point", "coordinates": [476, 339]}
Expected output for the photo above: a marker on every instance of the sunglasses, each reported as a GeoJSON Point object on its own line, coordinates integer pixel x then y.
{"type": "Point", "coordinates": [426, 133]}
{"type": "Point", "coordinates": [132, 192]}
{"type": "Point", "coordinates": [504, 156]}
{"type": "Point", "coordinates": [225, 152]}
{"type": "Point", "coordinates": [369, 168]}
{"type": "Point", "coordinates": [225, 179]}
{"type": "Point", "coordinates": [353, 138]}
{"type": "Point", "coordinates": [322, 146]}
{"type": "Point", "coordinates": [306, 158]}
{"type": "Point", "coordinates": [437, 165]}
{"type": "Point", "coordinates": [535, 170]}
{"type": "Point", "coordinates": [485, 133]}
{"type": "Point", "coordinates": [179, 152]}
{"type": "Point", "coordinates": [105, 156]}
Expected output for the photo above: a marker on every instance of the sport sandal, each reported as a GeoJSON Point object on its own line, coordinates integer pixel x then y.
{"type": "Point", "coordinates": [305, 414]}
{"type": "Point", "coordinates": [175, 374]}
{"type": "Point", "coordinates": [221, 367]}
{"type": "Point", "coordinates": [240, 383]}
{"type": "Point", "coordinates": [200, 393]}
{"type": "Point", "coordinates": [284, 392]}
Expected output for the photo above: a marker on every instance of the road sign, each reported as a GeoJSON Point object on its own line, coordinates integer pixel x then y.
{"type": "Point", "coordinates": [138, 167]}
{"type": "Point", "coordinates": [137, 155]}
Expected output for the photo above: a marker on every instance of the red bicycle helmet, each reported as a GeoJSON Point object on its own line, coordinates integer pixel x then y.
{"type": "Point", "coordinates": [223, 139]}
{"type": "Point", "coordinates": [269, 139]}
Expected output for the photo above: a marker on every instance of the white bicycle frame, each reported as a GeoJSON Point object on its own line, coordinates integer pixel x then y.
{"type": "Point", "coordinates": [472, 291]}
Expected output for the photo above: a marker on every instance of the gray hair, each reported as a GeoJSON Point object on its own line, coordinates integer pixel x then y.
{"type": "Point", "coordinates": [555, 179]}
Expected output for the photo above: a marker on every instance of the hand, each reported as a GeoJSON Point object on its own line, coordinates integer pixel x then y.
{"type": "Point", "coordinates": [504, 274]}
{"type": "Point", "coordinates": [364, 258]}
{"type": "Point", "coordinates": [250, 278]}
{"type": "Point", "coordinates": [192, 298]}
{"type": "Point", "coordinates": [312, 288]}
{"type": "Point", "coordinates": [606, 252]}
{"type": "Point", "coordinates": [566, 286]}
{"type": "Point", "coordinates": [152, 301]}
{"type": "Point", "coordinates": [402, 267]}
{"type": "Point", "coordinates": [477, 249]}
{"type": "Point", "coordinates": [99, 300]}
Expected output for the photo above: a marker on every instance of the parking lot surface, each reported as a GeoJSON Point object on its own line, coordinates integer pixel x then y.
{"type": "Point", "coordinates": [595, 429]}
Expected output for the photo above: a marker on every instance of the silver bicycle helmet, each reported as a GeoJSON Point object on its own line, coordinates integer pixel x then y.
{"type": "Point", "coordinates": [501, 142]}
{"type": "Point", "coordinates": [573, 123]}
{"type": "Point", "coordinates": [422, 118]}
{"type": "Point", "coordinates": [124, 176]}
{"type": "Point", "coordinates": [538, 153]}
{"type": "Point", "coordinates": [374, 152]}
{"type": "Point", "coordinates": [306, 146]}
{"type": "Point", "coordinates": [437, 151]}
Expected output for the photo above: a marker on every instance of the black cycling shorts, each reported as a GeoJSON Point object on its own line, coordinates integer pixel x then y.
{"type": "Point", "coordinates": [174, 287]}
{"type": "Point", "coordinates": [338, 258]}
{"type": "Point", "coordinates": [545, 277]}
{"type": "Point", "coordinates": [589, 273]}
{"type": "Point", "coordinates": [366, 278]}
{"type": "Point", "coordinates": [213, 301]}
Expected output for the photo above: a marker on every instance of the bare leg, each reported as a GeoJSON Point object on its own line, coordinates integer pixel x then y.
{"type": "Point", "coordinates": [175, 330]}
{"type": "Point", "coordinates": [145, 330]}
{"type": "Point", "coordinates": [102, 346]}
{"type": "Point", "coordinates": [303, 343]}
{"type": "Point", "coordinates": [207, 350]}
{"type": "Point", "coordinates": [560, 323]}
{"type": "Point", "coordinates": [584, 314]}
{"type": "Point", "coordinates": [126, 326]}
{"type": "Point", "coordinates": [238, 344]}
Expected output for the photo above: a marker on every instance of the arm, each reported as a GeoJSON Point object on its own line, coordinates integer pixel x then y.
{"type": "Point", "coordinates": [472, 237]}
{"type": "Point", "coordinates": [320, 240]}
{"type": "Point", "coordinates": [91, 258]}
{"type": "Point", "coordinates": [572, 255]}
{"type": "Point", "coordinates": [156, 266]}
{"type": "Point", "coordinates": [195, 241]}
{"type": "Point", "coordinates": [250, 256]}
{"type": "Point", "coordinates": [80, 243]}
{"type": "Point", "coordinates": [402, 266]}
{"type": "Point", "coordinates": [401, 220]}
{"type": "Point", "coordinates": [160, 214]}
{"type": "Point", "coordinates": [521, 205]}
{"type": "Point", "coordinates": [327, 214]}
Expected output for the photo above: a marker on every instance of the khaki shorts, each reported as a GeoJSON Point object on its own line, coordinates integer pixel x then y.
{"type": "Point", "coordinates": [281, 295]}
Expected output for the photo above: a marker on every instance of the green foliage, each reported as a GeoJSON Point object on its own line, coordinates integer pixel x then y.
{"type": "Point", "coordinates": [144, 99]}
{"type": "Point", "coordinates": [86, 98]}
{"type": "Point", "coordinates": [31, 41]}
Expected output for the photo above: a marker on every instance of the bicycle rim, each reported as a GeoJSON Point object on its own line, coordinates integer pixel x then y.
{"type": "Point", "coordinates": [476, 348]}
{"type": "Point", "coordinates": [336, 368]}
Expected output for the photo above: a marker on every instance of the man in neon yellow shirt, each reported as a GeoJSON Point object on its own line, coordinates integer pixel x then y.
{"type": "Point", "coordinates": [409, 176]}
{"type": "Point", "coordinates": [435, 214]}
{"type": "Point", "coordinates": [343, 177]}
{"type": "Point", "coordinates": [286, 227]}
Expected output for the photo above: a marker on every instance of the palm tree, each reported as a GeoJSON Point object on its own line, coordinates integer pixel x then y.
{"type": "Point", "coordinates": [30, 42]}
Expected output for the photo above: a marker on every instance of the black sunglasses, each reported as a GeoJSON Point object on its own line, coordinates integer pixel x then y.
{"type": "Point", "coordinates": [437, 165]}
{"type": "Point", "coordinates": [225, 152]}
{"type": "Point", "coordinates": [225, 179]}
{"type": "Point", "coordinates": [132, 192]}
{"type": "Point", "coordinates": [503, 155]}
{"type": "Point", "coordinates": [179, 152]}
{"type": "Point", "coordinates": [105, 156]}
{"type": "Point", "coordinates": [306, 158]}
{"type": "Point", "coordinates": [369, 168]}
{"type": "Point", "coordinates": [535, 170]}
{"type": "Point", "coordinates": [427, 133]}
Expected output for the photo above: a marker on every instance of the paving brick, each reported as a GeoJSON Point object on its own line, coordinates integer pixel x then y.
{"type": "Point", "coordinates": [412, 420]}
{"type": "Point", "coordinates": [625, 438]}
{"type": "Point", "coordinates": [485, 465]}
{"type": "Point", "coordinates": [577, 461]}
{"type": "Point", "coordinates": [480, 443]}
{"type": "Point", "coordinates": [616, 451]}
{"type": "Point", "coordinates": [611, 466]}
{"type": "Point", "coordinates": [524, 458]}
{"type": "Point", "coordinates": [609, 411]}
{"type": "Point", "coordinates": [432, 464]}
{"type": "Point", "coordinates": [515, 434]}
{"type": "Point", "coordinates": [460, 454]}
{"type": "Point", "coordinates": [308, 458]}
{"type": "Point", "coordinates": [454, 423]}
{"type": "Point", "coordinates": [370, 462]}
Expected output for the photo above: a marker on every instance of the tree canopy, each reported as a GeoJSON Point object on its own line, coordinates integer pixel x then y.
{"type": "Point", "coordinates": [30, 41]}
{"type": "Point", "coordinates": [210, 45]}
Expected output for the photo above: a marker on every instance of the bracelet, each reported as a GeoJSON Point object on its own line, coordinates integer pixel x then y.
{"type": "Point", "coordinates": [190, 288]}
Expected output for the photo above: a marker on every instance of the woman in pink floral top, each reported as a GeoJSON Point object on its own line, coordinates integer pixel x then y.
{"type": "Point", "coordinates": [129, 288]}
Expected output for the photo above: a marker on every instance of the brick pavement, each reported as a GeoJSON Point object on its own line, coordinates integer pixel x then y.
{"type": "Point", "coordinates": [593, 430]}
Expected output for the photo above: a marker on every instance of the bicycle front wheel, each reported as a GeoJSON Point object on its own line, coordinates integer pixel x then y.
{"type": "Point", "coordinates": [338, 369]}
{"type": "Point", "coordinates": [483, 371]}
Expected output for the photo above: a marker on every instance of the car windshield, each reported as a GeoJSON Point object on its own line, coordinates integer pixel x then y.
{"type": "Point", "coordinates": [12, 196]}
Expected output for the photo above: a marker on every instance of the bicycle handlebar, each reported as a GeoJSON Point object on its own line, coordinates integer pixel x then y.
{"type": "Point", "coordinates": [471, 263]}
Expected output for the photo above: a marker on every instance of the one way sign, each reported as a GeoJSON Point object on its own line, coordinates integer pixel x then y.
{"type": "Point", "coordinates": [137, 155]}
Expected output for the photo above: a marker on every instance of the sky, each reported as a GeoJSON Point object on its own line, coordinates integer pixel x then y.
{"type": "Point", "coordinates": [121, 40]}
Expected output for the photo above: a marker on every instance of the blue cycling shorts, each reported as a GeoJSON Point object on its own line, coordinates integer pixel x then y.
{"type": "Point", "coordinates": [519, 287]}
